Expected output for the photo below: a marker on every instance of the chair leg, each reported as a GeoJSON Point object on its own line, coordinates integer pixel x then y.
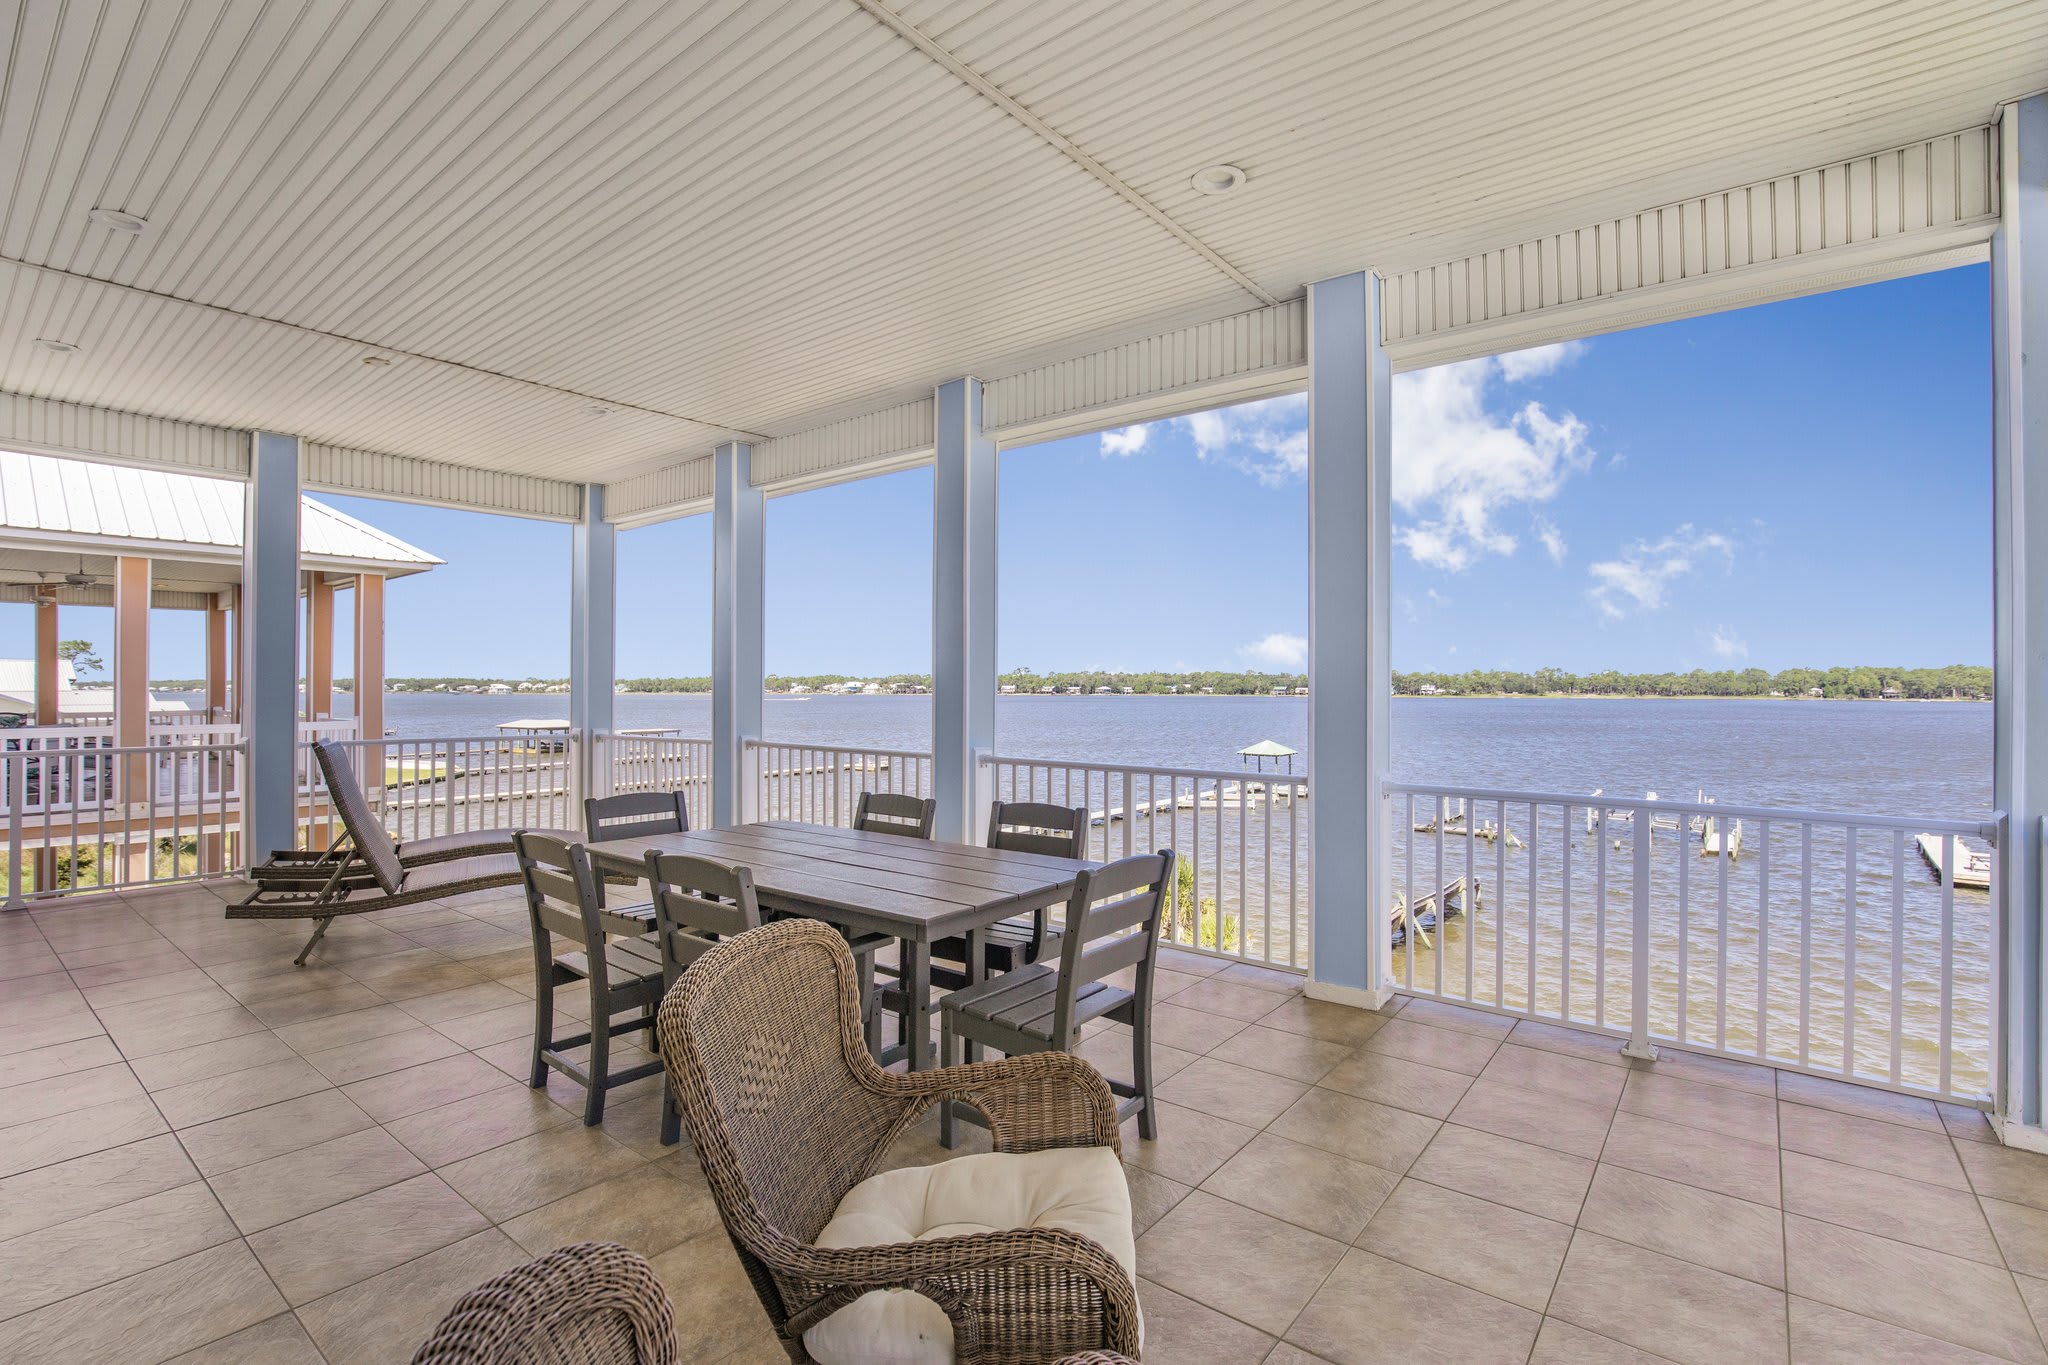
{"type": "Point", "coordinates": [600, 1065]}
{"type": "Point", "coordinates": [946, 1058]}
{"type": "Point", "coordinates": [671, 1116]}
{"type": "Point", "coordinates": [543, 1031]}
{"type": "Point", "coordinates": [1141, 1071]}
{"type": "Point", "coordinates": [319, 932]}
{"type": "Point", "coordinates": [871, 1023]}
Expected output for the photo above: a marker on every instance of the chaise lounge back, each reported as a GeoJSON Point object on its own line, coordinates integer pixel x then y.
{"type": "Point", "coordinates": [365, 869]}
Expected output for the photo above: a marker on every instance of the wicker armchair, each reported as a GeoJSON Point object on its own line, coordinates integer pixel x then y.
{"type": "Point", "coordinates": [788, 1113]}
{"type": "Point", "coordinates": [594, 1303]}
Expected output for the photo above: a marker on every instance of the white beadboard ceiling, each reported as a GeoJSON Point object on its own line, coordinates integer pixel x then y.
{"type": "Point", "coordinates": [750, 219]}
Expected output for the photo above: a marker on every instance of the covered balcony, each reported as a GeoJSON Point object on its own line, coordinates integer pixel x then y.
{"type": "Point", "coordinates": [1443, 1070]}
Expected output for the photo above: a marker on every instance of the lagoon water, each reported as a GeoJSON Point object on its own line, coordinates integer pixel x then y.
{"type": "Point", "coordinates": [1894, 758]}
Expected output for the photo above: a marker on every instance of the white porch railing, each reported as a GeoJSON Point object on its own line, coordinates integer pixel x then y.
{"type": "Point", "coordinates": [1813, 941]}
{"type": "Point", "coordinates": [426, 787]}
{"type": "Point", "coordinates": [1242, 840]}
{"type": "Point", "coordinates": [821, 783]}
{"type": "Point", "coordinates": [655, 763]}
{"type": "Point", "coordinates": [83, 814]}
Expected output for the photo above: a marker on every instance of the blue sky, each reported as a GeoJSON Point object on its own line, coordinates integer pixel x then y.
{"type": "Point", "coordinates": [1806, 482]}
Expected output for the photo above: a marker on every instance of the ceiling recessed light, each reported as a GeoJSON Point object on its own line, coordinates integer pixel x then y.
{"type": "Point", "coordinates": [119, 220]}
{"type": "Point", "coordinates": [600, 410]}
{"type": "Point", "coordinates": [377, 362]}
{"type": "Point", "coordinates": [1218, 179]}
{"type": "Point", "coordinates": [54, 345]}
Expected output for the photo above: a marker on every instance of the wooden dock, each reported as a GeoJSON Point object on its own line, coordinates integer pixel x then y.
{"type": "Point", "coordinates": [1973, 869]}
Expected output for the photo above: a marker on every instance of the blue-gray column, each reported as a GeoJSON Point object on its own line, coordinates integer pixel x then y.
{"type": "Point", "coordinates": [2019, 363]}
{"type": "Point", "coordinates": [593, 652]}
{"type": "Point", "coordinates": [1350, 680]}
{"type": "Point", "coordinates": [963, 607]}
{"type": "Point", "coordinates": [268, 688]}
{"type": "Point", "coordinates": [737, 519]}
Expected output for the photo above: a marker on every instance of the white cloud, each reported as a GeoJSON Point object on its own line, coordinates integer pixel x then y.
{"type": "Point", "coordinates": [1552, 538]}
{"type": "Point", "coordinates": [1278, 651]}
{"type": "Point", "coordinates": [1538, 361]}
{"type": "Point", "coordinates": [1727, 644]}
{"type": "Point", "coordinates": [1267, 439]}
{"type": "Point", "coordinates": [1458, 465]}
{"type": "Point", "coordinates": [1637, 580]}
{"type": "Point", "coordinates": [1126, 440]}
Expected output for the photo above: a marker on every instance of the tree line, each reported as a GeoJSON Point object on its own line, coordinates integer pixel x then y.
{"type": "Point", "coordinates": [1957, 682]}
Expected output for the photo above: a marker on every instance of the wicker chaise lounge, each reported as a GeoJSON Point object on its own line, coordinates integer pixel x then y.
{"type": "Point", "coordinates": [1018, 1256]}
{"type": "Point", "coordinates": [366, 870]}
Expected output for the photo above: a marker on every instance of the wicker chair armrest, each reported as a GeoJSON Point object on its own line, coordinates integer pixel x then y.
{"type": "Point", "coordinates": [1042, 1099]}
{"type": "Point", "coordinates": [976, 1277]}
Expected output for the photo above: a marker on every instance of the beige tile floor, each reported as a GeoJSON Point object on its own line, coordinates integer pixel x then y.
{"type": "Point", "coordinates": [209, 1155]}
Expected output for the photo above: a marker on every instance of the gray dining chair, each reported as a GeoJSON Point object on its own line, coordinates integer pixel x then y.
{"type": "Point", "coordinates": [1112, 926]}
{"type": "Point", "coordinates": [635, 815]}
{"type": "Point", "coordinates": [1019, 827]}
{"type": "Point", "coordinates": [562, 899]}
{"type": "Point", "coordinates": [698, 904]}
{"type": "Point", "coordinates": [895, 813]}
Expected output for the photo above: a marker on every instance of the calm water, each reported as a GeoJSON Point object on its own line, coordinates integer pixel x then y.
{"type": "Point", "coordinates": [1897, 758]}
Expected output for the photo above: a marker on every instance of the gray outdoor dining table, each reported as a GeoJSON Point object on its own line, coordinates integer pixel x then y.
{"type": "Point", "coordinates": [915, 890]}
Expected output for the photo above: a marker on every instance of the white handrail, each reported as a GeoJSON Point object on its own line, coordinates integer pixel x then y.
{"type": "Point", "coordinates": [1982, 829]}
{"type": "Point", "coordinates": [1812, 941]}
{"type": "Point", "coordinates": [1154, 769]}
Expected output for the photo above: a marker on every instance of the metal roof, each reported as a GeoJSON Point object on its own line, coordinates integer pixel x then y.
{"type": "Point", "coordinates": [1268, 748]}
{"type": "Point", "coordinates": [69, 508]}
{"type": "Point", "coordinates": [868, 198]}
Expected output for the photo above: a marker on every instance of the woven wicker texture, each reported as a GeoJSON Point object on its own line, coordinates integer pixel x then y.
{"type": "Point", "coordinates": [594, 1303]}
{"type": "Point", "coordinates": [1098, 1358]}
{"type": "Point", "coordinates": [788, 1111]}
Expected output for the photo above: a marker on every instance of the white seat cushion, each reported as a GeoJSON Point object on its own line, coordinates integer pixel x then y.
{"type": "Point", "coordinates": [1081, 1189]}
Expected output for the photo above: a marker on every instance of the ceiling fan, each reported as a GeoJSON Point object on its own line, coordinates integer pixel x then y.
{"type": "Point", "coordinates": [78, 578]}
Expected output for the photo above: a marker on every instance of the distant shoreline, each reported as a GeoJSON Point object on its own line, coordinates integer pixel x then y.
{"type": "Point", "coordinates": [181, 686]}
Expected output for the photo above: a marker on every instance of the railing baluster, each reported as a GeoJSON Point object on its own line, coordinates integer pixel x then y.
{"type": "Point", "coordinates": [1805, 941]}
{"type": "Point", "coordinates": [1600, 924]}
{"type": "Point", "coordinates": [1849, 957]}
{"type": "Point", "coordinates": [1949, 847]}
{"type": "Point", "coordinates": [1763, 938]}
{"type": "Point", "coordinates": [1898, 952]}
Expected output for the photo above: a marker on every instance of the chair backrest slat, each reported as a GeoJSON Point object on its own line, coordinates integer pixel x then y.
{"type": "Point", "coordinates": [895, 813]}
{"type": "Point", "coordinates": [635, 815]}
{"type": "Point", "coordinates": [698, 904]}
{"type": "Point", "coordinates": [1038, 827]}
{"type": "Point", "coordinates": [1112, 923]}
{"type": "Point", "coordinates": [1107, 956]}
{"type": "Point", "coordinates": [366, 833]}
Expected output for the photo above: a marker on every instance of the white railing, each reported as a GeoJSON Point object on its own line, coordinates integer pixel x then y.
{"type": "Point", "coordinates": [421, 788]}
{"type": "Point", "coordinates": [821, 783]}
{"type": "Point", "coordinates": [85, 815]}
{"type": "Point", "coordinates": [655, 763]}
{"type": "Point", "coordinates": [1813, 941]}
{"type": "Point", "coordinates": [1242, 841]}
